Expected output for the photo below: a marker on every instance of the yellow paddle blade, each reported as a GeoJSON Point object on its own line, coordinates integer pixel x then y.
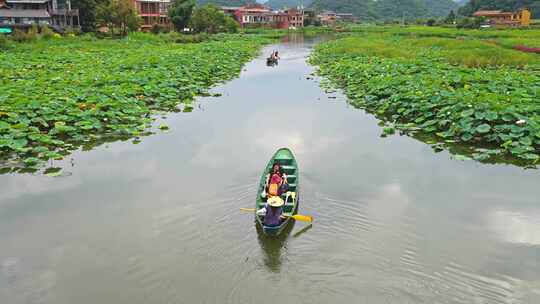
{"type": "Point", "coordinates": [248, 209]}
{"type": "Point", "coordinates": [303, 218]}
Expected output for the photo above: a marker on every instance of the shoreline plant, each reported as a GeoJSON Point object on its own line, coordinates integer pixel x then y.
{"type": "Point", "coordinates": [59, 95]}
{"type": "Point", "coordinates": [492, 111]}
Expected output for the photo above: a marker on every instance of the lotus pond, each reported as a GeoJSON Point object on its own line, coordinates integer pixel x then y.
{"type": "Point", "coordinates": [147, 223]}
{"type": "Point", "coordinates": [489, 110]}
{"type": "Point", "coordinates": [61, 94]}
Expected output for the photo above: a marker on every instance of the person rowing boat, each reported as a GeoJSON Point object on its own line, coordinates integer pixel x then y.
{"type": "Point", "coordinates": [272, 212]}
{"type": "Point", "coordinates": [273, 59]}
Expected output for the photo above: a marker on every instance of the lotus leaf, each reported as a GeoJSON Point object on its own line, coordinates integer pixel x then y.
{"type": "Point", "coordinates": [483, 128]}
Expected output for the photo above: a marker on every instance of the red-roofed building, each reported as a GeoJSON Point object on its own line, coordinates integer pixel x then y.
{"type": "Point", "coordinates": [253, 14]}
{"type": "Point", "coordinates": [296, 17]}
{"type": "Point", "coordinates": [258, 15]}
{"type": "Point", "coordinates": [280, 20]}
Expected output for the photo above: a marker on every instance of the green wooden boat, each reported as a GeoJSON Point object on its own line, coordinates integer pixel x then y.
{"type": "Point", "coordinates": [289, 165]}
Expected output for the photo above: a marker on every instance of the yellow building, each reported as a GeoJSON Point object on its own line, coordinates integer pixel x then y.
{"type": "Point", "coordinates": [500, 18]}
{"type": "Point", "coordinates": [524, 16]}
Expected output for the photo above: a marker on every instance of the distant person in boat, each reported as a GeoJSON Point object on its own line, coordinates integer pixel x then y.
{"type": "Point", "coordinates": [275, 55]}
{"type": "Point", "coordinates": [276, 181]}
{"type": "Point", "coordinates": [272, 211]}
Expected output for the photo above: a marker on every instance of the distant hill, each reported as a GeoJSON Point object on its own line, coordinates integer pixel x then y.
{"type": "Point", "coordinates": [506, 5]}
{"type": "Point", "coordinates": [360, 8]}
{"type": "Point", "coordinates": [440, 8]}
{"type": "Point", "coordinates": [388, 9]}
{"type": "Point", "coordinates": [278, 4]}
{"type": "Point", "coordinates": [395, 9]}
{"type": "Point", "coordinates": [461, 2]}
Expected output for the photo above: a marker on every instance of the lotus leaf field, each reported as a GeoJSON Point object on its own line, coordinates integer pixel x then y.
{"type": "Point", "coordinates": [490, 111]}
{"type": "Point", "coordinates": [61, 94]}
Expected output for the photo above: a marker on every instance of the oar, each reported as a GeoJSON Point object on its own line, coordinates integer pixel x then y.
{"type": "Point", "coordinates": [297, 234]}
{"type": "Point", "coordinates": [303, 218]}
{"type": "Point", "coordinates": [298, 217]}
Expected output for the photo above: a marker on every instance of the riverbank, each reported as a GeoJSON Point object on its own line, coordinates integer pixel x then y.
{"type": "Point", "coordinates": [60, 94]}
{"type": "Point", "coordinates": [459, 90]}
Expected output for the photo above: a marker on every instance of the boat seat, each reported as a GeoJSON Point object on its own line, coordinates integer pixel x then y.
{"type": "Point", "coordinates": [289, 170]}
{"type": "Point", "coordinates": [284, 196]}
{"type": "Point", "coordinates": [283, 161]}
{"type": "Point", "coordinates": [291, 178]}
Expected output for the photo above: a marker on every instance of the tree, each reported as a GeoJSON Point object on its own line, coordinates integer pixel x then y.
{"type": "Point", "coordinates": [87, 13]}
{"type": "Point", "coordinates": [105, 15]}
{"type": "Point", "coordinates": [310, 18]}
{"type": "Point", "coordinates": [211, 19]}
{"type": "Point", "coordinates": [118, 13]}
{"type": "Point", "coordinates": [180, 13]}
{"type": "Point", "coordinates": [451, 18]}
{"type": "Point", "coordinates": [126, 16]}
{"type": "Point", "coordinates": [231, 25]}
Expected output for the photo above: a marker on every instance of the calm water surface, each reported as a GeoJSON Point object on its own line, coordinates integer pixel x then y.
{"type": "Point", "coordinates": [159, 222]}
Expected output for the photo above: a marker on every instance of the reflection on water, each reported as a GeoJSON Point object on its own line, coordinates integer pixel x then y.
{"type": "Point", "coordinates": [159, 222]}
{"type": "Point", "coordinates": [274, 248]}
{"type": "Point", "coordinates": [303, 230]}
{"type": "Point", "coordinates": [516, 227]}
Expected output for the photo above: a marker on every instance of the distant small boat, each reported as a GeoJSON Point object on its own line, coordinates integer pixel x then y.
{"type": "Point", "coordinates": [288, 163]}
{"type": "Point", "coordinates": [271, 61]}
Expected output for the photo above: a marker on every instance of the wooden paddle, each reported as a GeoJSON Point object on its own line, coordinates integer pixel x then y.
{"type": "Point", "coordinates": [303, 218]}
{"type": "Point", "coordinates": [297, 217]}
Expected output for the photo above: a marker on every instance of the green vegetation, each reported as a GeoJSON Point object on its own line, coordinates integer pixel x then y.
{"type": "Point", "coordinates": [31, 35]}
{"type": "Point", "coordinates": [180, 13]}
{"type": "Point", "coordinates": [473, 48]}
{"type": "Point", "coordinates": [3, 42]}
{"type": "Point", "coordinates": [60, 94]}
{"type": "Point", "coordinates": [454, 86]}
{"type": "Point", "coordinates": [87, 13]}
{"type": "Point", "coordinates": [211, 19]}
{"type": "Point", "coordinates": [118, 14]}
{"type": "Point", "coordinates": [181, 38]}
{"type": "Point", "coordinates": [280, 4]}
{"type": "Point", "coordinates": [208, 18]}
